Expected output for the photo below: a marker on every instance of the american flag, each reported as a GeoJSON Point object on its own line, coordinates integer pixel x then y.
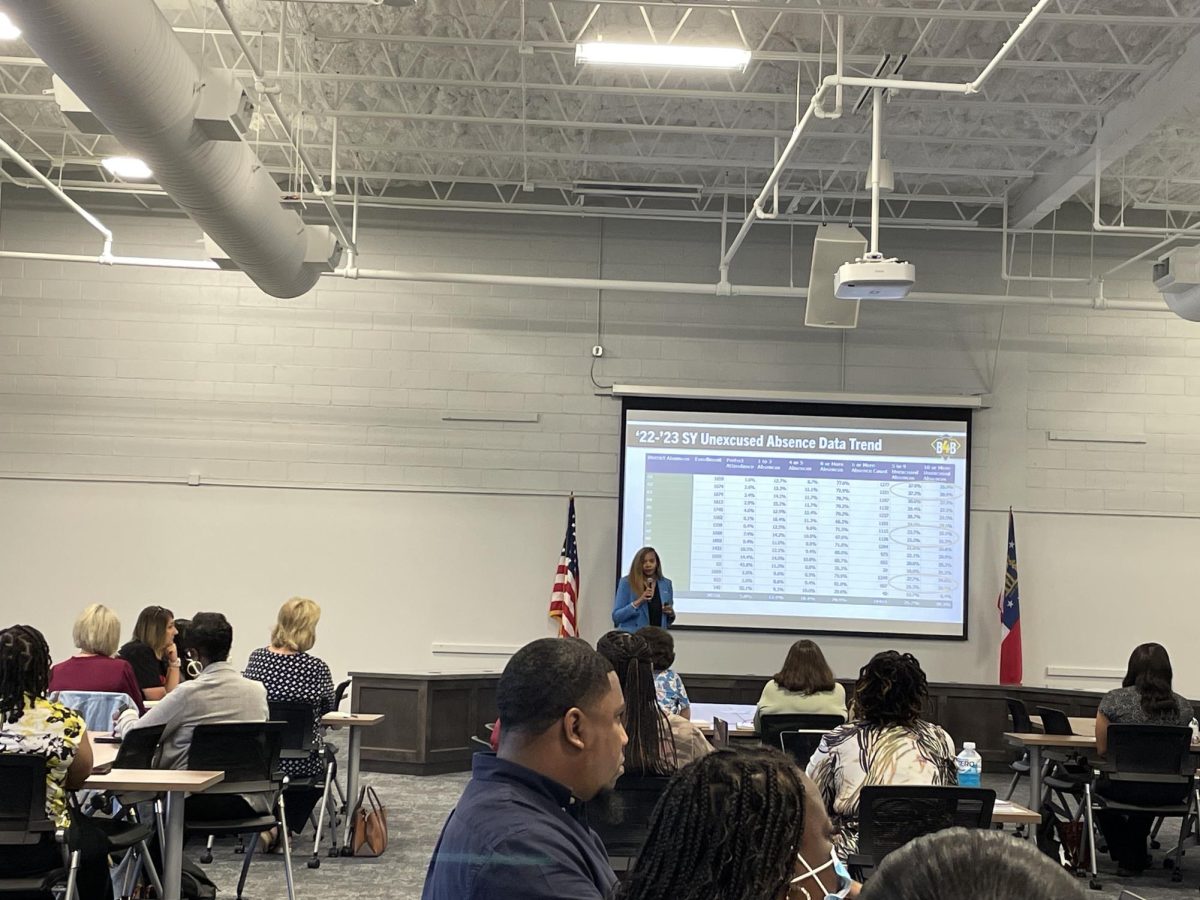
{"type": "Point", "coordinates": [565, 599]}
{"type": "Point", "coordinates": [1009, 605]}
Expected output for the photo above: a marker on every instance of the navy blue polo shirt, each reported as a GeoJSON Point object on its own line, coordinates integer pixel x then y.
{"type": "Point", "coordinates": [517, 835]}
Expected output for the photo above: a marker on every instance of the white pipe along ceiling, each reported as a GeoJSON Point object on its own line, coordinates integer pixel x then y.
{"type": "Point", "coordinates": [123, 60]}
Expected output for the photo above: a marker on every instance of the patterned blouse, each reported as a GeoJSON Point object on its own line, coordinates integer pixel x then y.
{"type": "Point", "coordinates": [47, 728]}
{"type": "Point", "coordinates": [672, 696]}
{"type": "Point", "coordinates": [295, 677]}
{"type": "Point", "coordinates": [860, 753]}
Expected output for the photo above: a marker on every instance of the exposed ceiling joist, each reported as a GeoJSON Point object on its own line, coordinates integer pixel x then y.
{"type": "Point", "coordinates": [1129, 123]}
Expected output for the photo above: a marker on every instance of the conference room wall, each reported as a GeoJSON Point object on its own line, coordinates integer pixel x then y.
{"type": "Point", "coordinates": [156, 375]}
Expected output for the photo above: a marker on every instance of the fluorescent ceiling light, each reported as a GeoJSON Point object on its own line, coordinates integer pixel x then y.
{"type": "Point", "coordinates": [8, 31]}
{"type": "Point", "coordinates": [669, 55]}
{"type": "Point", "coordinates": [127, 167]}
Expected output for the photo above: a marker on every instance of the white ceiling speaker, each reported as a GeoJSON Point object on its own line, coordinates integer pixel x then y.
{"type": "Point", "coordinates": [833, 245]}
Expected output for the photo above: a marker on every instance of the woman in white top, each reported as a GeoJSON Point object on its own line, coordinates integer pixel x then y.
{"type": "Point", "coordinates": [805, 684]}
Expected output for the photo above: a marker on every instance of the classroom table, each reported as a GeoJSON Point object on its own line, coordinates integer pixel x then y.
{"type": "Point", "coordinates": [740, 717]}
{"type": "Point", "coordinates": [1079, 725]}
{"type": "Point", "coordinates": [1005, 812]}
{"type": "Point", "coordinates": [356, 722]}
{"type": "Point", "coordinates": [104, 752]}
{"type": "Point", "coordinates": [175, 784]}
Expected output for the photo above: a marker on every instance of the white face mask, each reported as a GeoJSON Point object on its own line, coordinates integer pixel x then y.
{"type": "Point", "coordinates": [839, 868]}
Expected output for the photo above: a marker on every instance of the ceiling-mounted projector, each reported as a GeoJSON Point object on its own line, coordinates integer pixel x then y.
{"type": "Point", "coordinates": [874, 278]}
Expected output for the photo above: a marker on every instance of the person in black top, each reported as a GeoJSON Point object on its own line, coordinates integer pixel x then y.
{"type": "Point", "coordinates": [152, 652]}
{"type": "Point", "coordinates": [520, 828]}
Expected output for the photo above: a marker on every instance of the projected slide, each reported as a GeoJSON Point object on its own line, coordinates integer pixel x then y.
{"type": "Point", "coordinates": [841, 523]}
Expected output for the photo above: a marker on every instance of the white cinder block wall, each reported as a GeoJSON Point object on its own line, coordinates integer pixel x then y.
{"type": "Point", "coordinates": [316, 430]}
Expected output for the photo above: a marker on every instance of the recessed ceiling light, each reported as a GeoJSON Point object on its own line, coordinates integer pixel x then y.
{"type": "Point", "coordinates": [668, 55]}
{"type": "Point", "coordinates": [127, 167]}
{"type": "Point", "coordinates": [8, 31]}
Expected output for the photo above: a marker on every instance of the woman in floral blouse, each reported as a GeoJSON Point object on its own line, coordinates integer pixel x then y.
{"type": "Point", "coordinates": [32, 724]}
{"type": "Point", "coordinates": [885, 742]}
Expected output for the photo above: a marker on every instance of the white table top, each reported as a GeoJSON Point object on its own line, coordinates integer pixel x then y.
{"type": "Point", "coordinates": [738, 715]}
{"type": "Point", "coordinates": [351, 720]}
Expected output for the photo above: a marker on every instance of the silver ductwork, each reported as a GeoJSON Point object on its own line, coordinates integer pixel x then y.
{"type": "Point", "coordinates": [123, 60]}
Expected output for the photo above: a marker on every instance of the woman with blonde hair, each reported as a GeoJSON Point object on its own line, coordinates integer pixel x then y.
{"type": "Point", "coordinates": [644, 596]}
{"type": "Point", "coordinates": [152, 652]}
{"type": "Point", "coordinates": [291, 674]}
{"type": "Point", "coordinates": [96, 634]}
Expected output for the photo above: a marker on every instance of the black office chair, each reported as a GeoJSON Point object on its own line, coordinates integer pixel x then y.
{"type": "Point", "coordinates": [625, 821]}
{"type": "Point", "coordinates": [771, 724]}
{"type": "Point", "coordinates": [248, 753]}
{"type": "Point", "coordinates": [124, 832]}
{"type": "Point", "coordinates": [301, 739]}
{"type": "Point", "coordinates": [889, 816]}
{"type": "Point", "coordinates": [1149, 771]}
{"type": "Point", "coordinates": [801, 744]}
{"type": "Point", "coordinates": [1021, 725]}
{"type": "Point", "coordinates": [339, 693]}
{"type": "Point", "coordinates": [1065, 774]}
{"type": "Point", "coordinates": [23, 823]}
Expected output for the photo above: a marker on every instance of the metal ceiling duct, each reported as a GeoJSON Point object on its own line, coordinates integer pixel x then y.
{"type": "Point", "coordinates": [123, 60]}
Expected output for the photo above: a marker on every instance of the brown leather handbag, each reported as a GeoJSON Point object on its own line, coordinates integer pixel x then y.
{"type": "Point", "coordinates": [369, 832]}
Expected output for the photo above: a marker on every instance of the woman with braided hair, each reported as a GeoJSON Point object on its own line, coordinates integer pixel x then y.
{"type": "Point", "coordinates": [739, 825]}
{"type": "Point", "coordinates": [31, 724]}
{"type": "Point", "coordinates": [659, 742]}
{"type": "Point", "coordinates": [885, 742]}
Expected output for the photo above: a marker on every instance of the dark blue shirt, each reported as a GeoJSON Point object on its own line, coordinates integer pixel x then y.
{"type": "Point", "coordinates": [517, 835]}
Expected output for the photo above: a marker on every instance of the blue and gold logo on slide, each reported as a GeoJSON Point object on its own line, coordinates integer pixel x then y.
{"type": "Point", "coordinates": [946, 446]}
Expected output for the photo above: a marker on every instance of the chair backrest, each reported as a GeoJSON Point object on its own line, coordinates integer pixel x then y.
{"type": "Point", "coordinates": [339, 693]}
{"type": "Point", "coordinates": [770, 724]}
{"type": "Point", "coordinates": [1150, 749]}
{"type": "Point", "coordinates": [23, 799]}
{"type": "Point", "coordinates": [720, 735]}
{"type": "Point", "coordinates": [625, 821]}
{"type": "Point", "coordinates": [247, 752]}
{"type": "Point", "coordinates": [889, 816]}
{"type": "Point", "coordinates": [801, 744]}
{"type": "Point", "coordinates": [1054, 721]}
{"type": "Point", "coordinates": [98, 708]}
{"type": "Point", "coordinates": [139, 748]}
{"type": "Point", "coordinates": [299, 727]}
{"type": "Point", "coordinates": [1020, 716]}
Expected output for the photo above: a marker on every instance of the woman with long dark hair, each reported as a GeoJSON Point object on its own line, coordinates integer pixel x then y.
{"type": "Point", "coordinates": [659, 742]}
{"type": "Point", "coordinates": [805, 684]}
{"type": "Point", "coordinates": [885, 742]}
{"type": "Point", "coordinates": [738, 825]}
{"type": "Point", "coordinates": [644, 596]}
{"type": "Point", "coordinates": [1145, 697]}
{"type": "Point", "coordinates": [152, 652]}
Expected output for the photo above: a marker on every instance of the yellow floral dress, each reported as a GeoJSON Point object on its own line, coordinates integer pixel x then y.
{"type": "Point", "coordinates": [47, 728]}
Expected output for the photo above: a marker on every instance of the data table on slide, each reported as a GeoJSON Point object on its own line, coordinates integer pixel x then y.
{"type": "Point", "coordinates": [832, 530]}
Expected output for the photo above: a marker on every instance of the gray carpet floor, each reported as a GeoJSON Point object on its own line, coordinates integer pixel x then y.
{"type": "Point", "coordinates": [417, 807]}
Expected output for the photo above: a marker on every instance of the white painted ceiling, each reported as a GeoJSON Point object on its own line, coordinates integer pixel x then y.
{"type": "Point", "coordinates": [460, 102]}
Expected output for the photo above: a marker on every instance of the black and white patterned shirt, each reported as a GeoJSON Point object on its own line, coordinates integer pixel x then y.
{"type": "Point", "coordinates": [1124, 706]}
{"type": "Point", "coordinates": [295, 677]}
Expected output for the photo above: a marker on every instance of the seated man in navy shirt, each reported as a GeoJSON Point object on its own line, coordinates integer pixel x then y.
{"type": "Point", "coordinates": [519, 831]}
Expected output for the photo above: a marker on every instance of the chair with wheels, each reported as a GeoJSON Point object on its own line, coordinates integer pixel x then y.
{"type": "Point", "coordinates": [1022, 725]}
{"type": "Point", "coordinates": [889, 816]}
{"type": "Point", "coordinates": [250, 799]}
{"type": "Point", "coordinates": [1149, 772]}
{"type": "Point", "coordinates": [23, 823]}
{"type": "Point", "coordinates": [301, 740]}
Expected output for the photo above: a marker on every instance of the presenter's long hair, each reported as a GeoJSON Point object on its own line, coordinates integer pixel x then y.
{"type": "Point", "coordinates": [726, 828]}
{"type": "Point", "coordinates": [805, 670]}
{"type": "Point", "coordinates": [637, 581]}
{"type": "Point", "coordinates": [651, 747]}
{"type": "Point", "coordinates": [1150, 672]}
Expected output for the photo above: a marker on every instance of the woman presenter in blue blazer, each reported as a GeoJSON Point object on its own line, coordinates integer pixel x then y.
{"type": "Point", "coordinates": [644, 597]}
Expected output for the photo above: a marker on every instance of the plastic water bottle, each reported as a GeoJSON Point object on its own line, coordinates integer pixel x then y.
{"type": "Point", "coordinates": [970, 765]}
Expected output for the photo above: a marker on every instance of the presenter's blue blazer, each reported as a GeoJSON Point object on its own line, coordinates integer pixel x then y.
{"type": "Point", "coordinates": [629, 618]}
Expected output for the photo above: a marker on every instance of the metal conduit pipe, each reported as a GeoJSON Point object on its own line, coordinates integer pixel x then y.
{"type": "Point", "coordinates": [124, 61]}
{"type": "Point", "coordinates": [699, 289]}
{"type": "Point", "coordinates": [970, 87]}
